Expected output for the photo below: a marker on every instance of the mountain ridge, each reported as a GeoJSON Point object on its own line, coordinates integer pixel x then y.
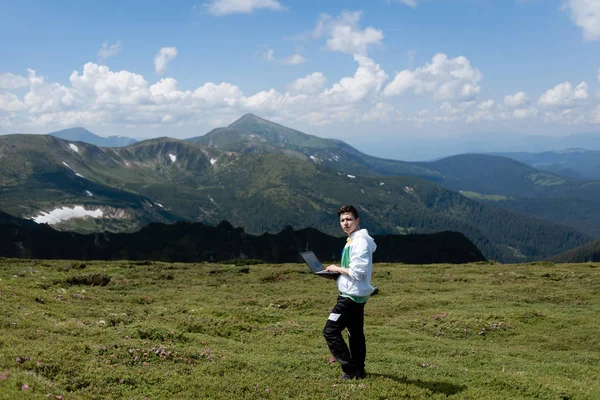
{"type": "Point", "coordinates": [170, 179]}
{"type": "Point", "coordinates": [79, 134]}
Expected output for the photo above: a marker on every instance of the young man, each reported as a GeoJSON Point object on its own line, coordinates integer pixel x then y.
{"type": "Point", "coordinates": [354, 284]}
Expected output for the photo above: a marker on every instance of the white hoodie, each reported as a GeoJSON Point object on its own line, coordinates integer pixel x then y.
{"type": "Point", "coordinates": [358, 283]}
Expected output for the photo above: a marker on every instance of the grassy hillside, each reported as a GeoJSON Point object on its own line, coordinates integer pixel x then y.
{"type": "Point", "coordinates": [153, 330]}
{"type": "Point", "coordinates": [588, 253]}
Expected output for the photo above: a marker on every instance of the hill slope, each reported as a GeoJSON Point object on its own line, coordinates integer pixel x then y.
{"type": "Point", "coordinates": [588, 253]}
{"type": "Point", "coordinates": [574, 163]}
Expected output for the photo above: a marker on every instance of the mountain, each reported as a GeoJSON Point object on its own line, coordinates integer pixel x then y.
{"type": "Point", "coordinates": [574, 163]}
{"type": "Point", "coordinates": [496, 180]}
{"type": "Point", "coordinates": [167, 180]}
{"type": "Point", "coordinates": [588, 253]}
{"type": "Point", "coordinates": [83, 135]}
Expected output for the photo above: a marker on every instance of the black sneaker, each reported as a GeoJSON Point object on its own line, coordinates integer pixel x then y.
{"type": "Point", "coordinates": [347, 377]}
{"type": "Point", "coordinates": [361, 374]}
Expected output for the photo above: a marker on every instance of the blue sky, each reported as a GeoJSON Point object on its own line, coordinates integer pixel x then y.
{"type": "Point", "coordinates": [380, 71]}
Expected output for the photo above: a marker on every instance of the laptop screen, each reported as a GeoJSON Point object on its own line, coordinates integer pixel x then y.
{"type": "Point", "coordinates": [312, 261]}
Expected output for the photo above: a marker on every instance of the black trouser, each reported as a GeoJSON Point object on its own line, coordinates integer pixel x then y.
{"type": "Point", "coordinates": [347, 314]}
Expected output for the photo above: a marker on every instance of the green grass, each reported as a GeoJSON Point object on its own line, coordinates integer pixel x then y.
{"type": "Point", "coordinates": [480, 196]}
{"type": "Point", "coordinates": [155, 330]}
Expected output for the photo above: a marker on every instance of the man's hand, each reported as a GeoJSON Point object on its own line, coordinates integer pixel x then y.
{"type": "Point", "coordinates": [335, 268]}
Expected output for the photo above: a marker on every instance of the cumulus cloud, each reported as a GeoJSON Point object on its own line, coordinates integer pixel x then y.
{"type": "Point", "coordinates": [564, 96]}
{"type": "Point", "coordinates": [224, 7]}
{"type": "Point", "coordinates": [382, 112]}
{"type": "Point", "coordinates": [107, 51]}
{"type": "Point", "coordinates": [48, 97]}
{"type": "Point", "coordinates": [446, 78]}
{"type": "Point", "coordinates": [312, 83]}
{"type": "Point", "coordinates": [103, 86]}
{"type": "Point", "coordinates": [10, 102]}
{"type": "Point", "coordinates": [567, 116]}
{"type": "Point", "coordinates": [516, 100]}
{"type": "Point", "coordinates": [586, 15]}
{"type": "Point", "coordinates": [486, 105]}
{"type": "Point", "coordinates": [163, 57]}
{"type": "Point", "coordinates": [368, 79]}
{"type": "Point", "coordinates": [294, 60]}
{"type": "Point", "coordinates": [224, 94]}
{"type": "Point", "coordinates": [12, 81]}
{"type": "Point", "coordinates": [345, 35]}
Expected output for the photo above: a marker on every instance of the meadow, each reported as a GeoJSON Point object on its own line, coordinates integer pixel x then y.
{"type": "Point", "coordinates": [150, 330]}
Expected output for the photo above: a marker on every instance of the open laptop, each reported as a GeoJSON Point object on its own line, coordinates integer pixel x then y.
{"type": "Point", "coordinates": [316, 267]}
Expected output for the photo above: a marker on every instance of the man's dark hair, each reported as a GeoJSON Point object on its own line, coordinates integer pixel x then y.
{"type": "Point", "coordinates": [348, 209]}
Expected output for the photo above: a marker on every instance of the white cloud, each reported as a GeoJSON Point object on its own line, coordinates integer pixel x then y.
{"type": "Point", "coordinates": [165, 91]}
{"type": "Point", "coordinates": [368, 79]}
{"type": "Point", "coordinates": [382, 112]}
{"type": "Point", "coordinates": [410, 3]}
{"type": "Point", "coordinates": [486, 105]}
{"type": "Point", "coordinates": [525, 112]}
{"type": "Point", "coordinates": [104, 86]}
{"type": "Point", "coordinates": [163, 57]}
{"type": "Point", "coordinates": [447, 79]}
{"type": "Point", "coordinates": [12, 81]}
{"type": "Point", "coordinates": [10, 102]}
{"type": "Point", "coordinates": [564, 96]}
{"type": "Point", "coordinates": [586, 15]}
{"type": "Point", "coordinates": [312, 83]}
{"type": "Point", "coordinates": [294, 60]}
{"type": "Point", "coordinates": [224, 94]}
{"type": "Point", "coordinates": [516, 100]}
{"type": "Point", "coordinates": [48, 97]}
{"type": "Point", "coordinates": [569, 116]}
{"type": "Point", "coordinates": [107, 51]}
{"type": "Point", "coordinates": [345, 35]}
{"type": "Point", "coordinates": [269, 55]}
{"type": "Point", "coordinates": [224, 7]}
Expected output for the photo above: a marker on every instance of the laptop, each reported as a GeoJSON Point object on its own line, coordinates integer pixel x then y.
{"type": "Point", "coordinates": [316, 267]}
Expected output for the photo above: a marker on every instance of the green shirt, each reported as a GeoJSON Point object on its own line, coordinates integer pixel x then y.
{"type": "Point", "coordinates": [346, 264]}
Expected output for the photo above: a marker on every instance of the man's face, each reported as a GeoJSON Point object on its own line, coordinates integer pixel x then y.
{"type": "Point", "coordinates": [349, 223]}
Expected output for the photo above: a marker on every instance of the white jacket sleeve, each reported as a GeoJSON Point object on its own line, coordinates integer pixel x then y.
{"type": "Point", "coordinates": [359, 259]}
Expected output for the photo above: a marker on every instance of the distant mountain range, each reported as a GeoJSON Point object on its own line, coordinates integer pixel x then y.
{"type": "Point", "coordinates": [83, 135]}
{"type": "Point", "coordinates": [264, 176]}
{"type": "Point", "coordinates": [495, 180]}
{"type": "Point", "coordinates": [574, 163]}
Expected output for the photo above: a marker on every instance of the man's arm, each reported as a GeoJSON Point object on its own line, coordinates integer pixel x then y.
{"type": "Point", "coordinates": [335, 268]}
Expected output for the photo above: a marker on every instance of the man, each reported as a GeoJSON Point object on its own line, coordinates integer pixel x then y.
{"type": "Point", "coordinates": [354, 284]}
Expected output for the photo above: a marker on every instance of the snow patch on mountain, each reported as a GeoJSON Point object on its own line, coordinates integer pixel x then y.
{"type": "Point", "coordinates": [65, 213]}
{"type": "Point", "coordinates": [74, 148]}
{"type": "Point", "coordinates": [173, 157]}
